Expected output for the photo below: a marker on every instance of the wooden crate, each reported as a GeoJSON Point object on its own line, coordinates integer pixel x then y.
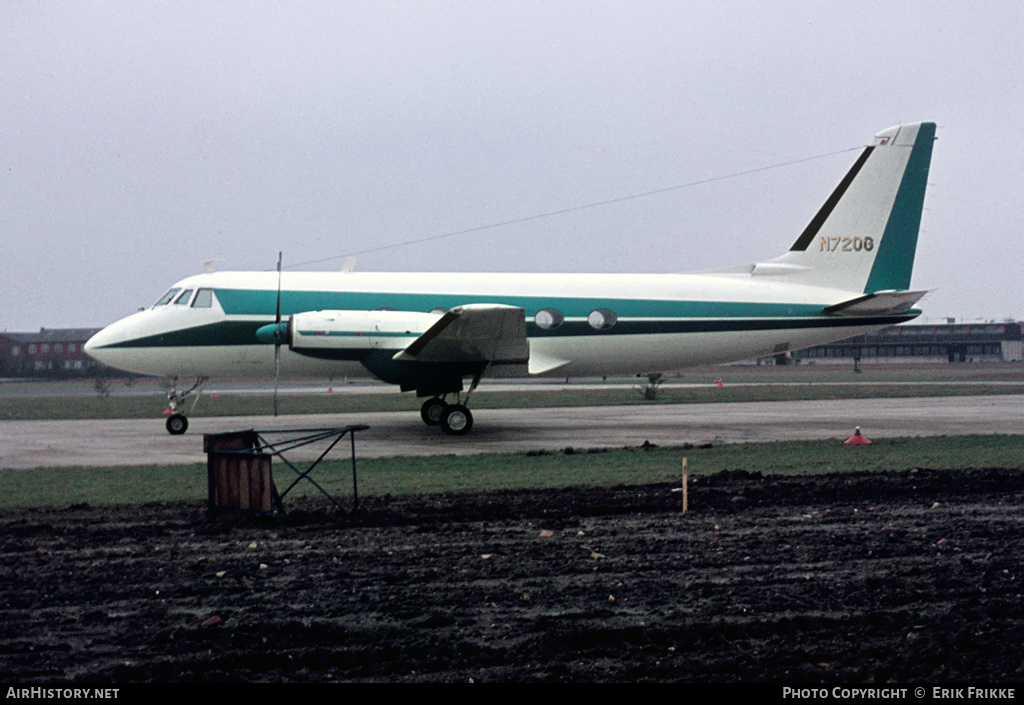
{"type": "Point", "coordinates": [240, 479]}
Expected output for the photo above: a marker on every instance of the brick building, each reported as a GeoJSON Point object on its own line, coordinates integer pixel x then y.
{"type": "Point", "coordinates": [53, 352]}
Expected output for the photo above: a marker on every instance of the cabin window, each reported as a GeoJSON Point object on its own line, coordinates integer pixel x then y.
{"type": "Point", "coordinates": [549, 318]}
{"type": "Point", "coordinates": [166, 298]}
{"type": "Point", "coordinates": [602, 318]}
{"type": "Point", "coordinates": [204, 299]}
{"type": "Point", "coordinates": [183, 298]}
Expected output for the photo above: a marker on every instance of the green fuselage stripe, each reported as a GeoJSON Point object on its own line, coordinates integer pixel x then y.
{"type": "Point", "coordinates": [232, 333]}
{"type": "Point", "coordinates": [249, 302]}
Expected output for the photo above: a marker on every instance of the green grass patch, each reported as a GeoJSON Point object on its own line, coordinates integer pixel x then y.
{"type": "Point", "coordinates": [145, 398]}
{"type": "Point", "coordinates": [64, 487]}
{"type": "Point", "coordinates": [150, 406]}
{"type": "Point", "coordinates": [61, 487]}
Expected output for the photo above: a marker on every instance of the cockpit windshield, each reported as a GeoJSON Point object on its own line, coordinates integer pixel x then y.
{"type": "Point", "coordinates": [181, 297]}
{"type": "Point", "coordinates": [204, 299]}
{"type": "Point", "coordinates": [166, 298]}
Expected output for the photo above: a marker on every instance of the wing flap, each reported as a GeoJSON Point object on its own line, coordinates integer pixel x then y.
{"type": "Point", "coordinates": [491, 333]}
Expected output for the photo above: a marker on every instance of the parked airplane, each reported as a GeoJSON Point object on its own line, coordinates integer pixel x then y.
{"type": "Point", "coordinates": [848, 273]}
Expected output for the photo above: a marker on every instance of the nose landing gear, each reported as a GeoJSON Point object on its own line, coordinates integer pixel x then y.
{"type": "Point", "coordinates": [177, 424]}
{"type": "Point", "coordinates": [177, 421]}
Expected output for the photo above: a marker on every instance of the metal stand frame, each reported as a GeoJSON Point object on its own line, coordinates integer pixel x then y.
{"type": "Point", "coordinates": [254, 447]}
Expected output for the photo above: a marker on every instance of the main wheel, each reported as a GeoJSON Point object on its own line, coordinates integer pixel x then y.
{"type": "Point", "coordinates": [456, 420]}
{"type": "Point", "coordinates": [177, 424]}
{"type": "Point", "coordinates": [432, 411]}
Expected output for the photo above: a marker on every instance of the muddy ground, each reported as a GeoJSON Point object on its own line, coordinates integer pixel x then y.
{"type": "Point", "coordinates": [899, 577]}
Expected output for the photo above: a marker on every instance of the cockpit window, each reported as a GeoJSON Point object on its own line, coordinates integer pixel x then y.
{"type": "Point", "coordinates": [204, 299]}
{"type": "Point", "coordinates": [166, 298]}
{"type": "Point", "coordinates": [183, 298]}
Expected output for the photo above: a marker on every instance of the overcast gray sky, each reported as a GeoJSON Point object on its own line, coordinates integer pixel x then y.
{"type": "Point", "coordinates": [138, 139]}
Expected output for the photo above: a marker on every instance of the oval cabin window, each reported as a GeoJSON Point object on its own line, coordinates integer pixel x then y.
{"type": "Point", "coordinates": [602, 319]}
{"type": "Point", "coordinates": [548, 318]}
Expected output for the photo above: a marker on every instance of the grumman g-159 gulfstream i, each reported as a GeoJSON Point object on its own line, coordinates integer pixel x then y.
{"type": "Point", "coordinates": [848, 273]}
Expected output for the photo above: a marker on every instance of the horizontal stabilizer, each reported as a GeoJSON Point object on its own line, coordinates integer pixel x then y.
{"type": "Point", "coordinates": [881, 303]}
{"type": "Point", "coordinates": [490, 333]}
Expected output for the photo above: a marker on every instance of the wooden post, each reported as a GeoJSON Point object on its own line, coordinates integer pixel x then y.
{"type": "Point", "coordinates": [685, 483]}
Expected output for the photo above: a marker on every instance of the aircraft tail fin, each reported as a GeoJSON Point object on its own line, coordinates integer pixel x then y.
{"type": "Point", "coordinates": [864, 238]}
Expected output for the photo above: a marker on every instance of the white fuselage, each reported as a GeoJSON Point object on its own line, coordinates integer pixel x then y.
{"type": "Point", "coordinates": [661, 322]}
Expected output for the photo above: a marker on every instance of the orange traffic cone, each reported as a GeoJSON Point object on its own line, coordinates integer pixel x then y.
{"type": "Point", "coordinates": [856, 439]}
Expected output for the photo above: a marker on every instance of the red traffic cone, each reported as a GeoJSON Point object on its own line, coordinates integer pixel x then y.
{"type": "Point", "coordinates": [856, 439]}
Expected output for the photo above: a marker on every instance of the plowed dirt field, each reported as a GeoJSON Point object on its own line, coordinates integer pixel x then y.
{"type": "Point", "coordinates": [899, 577]}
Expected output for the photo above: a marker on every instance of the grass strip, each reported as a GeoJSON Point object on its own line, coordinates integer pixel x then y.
{"type": "Point", "coordinates": [24, 408]}
{"type": "Point", "coordinates": [63, 487]}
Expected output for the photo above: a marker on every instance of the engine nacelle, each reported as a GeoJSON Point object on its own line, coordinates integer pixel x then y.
{"type": "Point", "coordinates": [333, 332]}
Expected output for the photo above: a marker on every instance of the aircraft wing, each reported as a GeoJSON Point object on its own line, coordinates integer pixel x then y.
{"type": "Point", "coordinates": [491, 333]}
{"type": "Point", "coordinates": [880, 303]}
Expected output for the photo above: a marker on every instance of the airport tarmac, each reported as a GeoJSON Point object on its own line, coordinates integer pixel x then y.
{"type": "Point", "coordinates": [120, 442]}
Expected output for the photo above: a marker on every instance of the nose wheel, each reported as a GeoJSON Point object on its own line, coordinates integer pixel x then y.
{"type": "Point", "coordinates": [177, 424]}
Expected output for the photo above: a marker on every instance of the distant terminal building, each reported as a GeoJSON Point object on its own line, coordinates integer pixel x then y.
{"type": "Point", "coordinates": [942, 343]}
{"type": "Point", "coordinates": [52, 352]}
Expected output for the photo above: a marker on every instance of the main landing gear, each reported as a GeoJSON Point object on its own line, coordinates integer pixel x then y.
{"type": "Point", "coordinates": [177, 421]}
{"type": "Point", "coordinates": [454, 419]}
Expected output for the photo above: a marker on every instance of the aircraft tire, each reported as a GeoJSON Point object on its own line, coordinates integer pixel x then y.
{"type": "Point", "coordinates": [177, 424]}
{"type": "Point", "coordinates": [456, 420]}
{"type": "Point", "coordinates": [432, 411]}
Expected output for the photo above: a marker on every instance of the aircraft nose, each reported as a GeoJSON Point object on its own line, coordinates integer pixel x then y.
{"type": "Point", "coordinates": [93, 342]}
{"type": "Point", "coordinates": [110, 345]}
{"type": "Point", "coordinates": [95, 346]}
